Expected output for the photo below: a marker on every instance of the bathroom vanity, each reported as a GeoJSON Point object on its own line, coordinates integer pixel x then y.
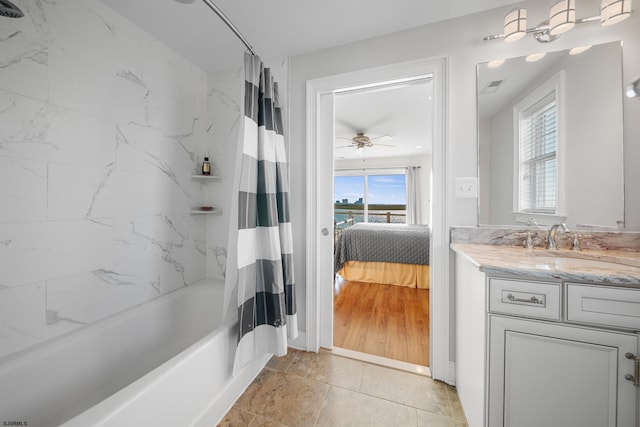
{"type": "Point", "coordinates": [547, 338]}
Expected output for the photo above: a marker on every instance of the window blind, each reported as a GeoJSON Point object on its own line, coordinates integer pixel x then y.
{"type": "Point", "coordinates": [538, 152]}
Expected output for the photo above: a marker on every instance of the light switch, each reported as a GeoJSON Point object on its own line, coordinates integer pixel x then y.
{"type": "Point", "coordinates": [466, 187]}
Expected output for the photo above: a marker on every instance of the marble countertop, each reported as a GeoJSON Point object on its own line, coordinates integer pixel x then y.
{"type": "Point", "coordinates": [621, 268]}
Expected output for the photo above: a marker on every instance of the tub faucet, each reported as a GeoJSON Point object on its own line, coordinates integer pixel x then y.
{"type": "Point", "coordinates": [551, 236]}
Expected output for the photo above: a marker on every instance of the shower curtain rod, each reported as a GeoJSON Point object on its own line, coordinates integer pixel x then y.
{"type": "Point", "coordinates": [233, 28]}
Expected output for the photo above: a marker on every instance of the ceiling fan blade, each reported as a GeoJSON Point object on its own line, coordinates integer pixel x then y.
{"type": "Point", "coordinates": [381, 138]}
{"type": "Point", "coordinates": [346, 146]}
{"type": "Point", "coordinates": [343, 137]}
{"type": "Point", "coordinates": [383, 145]}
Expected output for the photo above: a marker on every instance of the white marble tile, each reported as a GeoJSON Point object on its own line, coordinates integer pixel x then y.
{"type": "Point", "coordinates": [22, 317]}
{"type": "Point", "coordinates": [87, 297]}
{"type": "Point", "coordinates": [23, 62]}
{"type": "Point", "coordinates": [217, 262]}
{"type": "Point", "coordinates": [22, 309]}
{"type": "Point", "coordinates": [78, 30]}
{"type": "Point", "coordinates": [23, 190]}
{"type": "Point", "coordinates": [143, 149]}
{"type": "Point", "coordinates": [160, 249]}
{"type": "Point", "coordinates": [25, 123]}
{"type": "Point", "coordinates": [132, 97]}
{"type": "Point", "coordinates": [12, 341]}
{"type": "Point", "coordinates": [40, 131]}
{"type": "Point", "coordinates": [72, 190]}
{"type": "Point", "coordinates": [80, 85]}
{"type": "Point", "coordinates": [127, 194]}
{"type": "Point", "coordinates": [117, 123]}
{"type": "Point", "coordinates": [223, 110]}
{"type": "Point", "coordinates": [39, 251]}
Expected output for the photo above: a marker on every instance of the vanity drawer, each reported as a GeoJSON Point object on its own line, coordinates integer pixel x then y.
{"type": "Point", "coordinates": [525, 298]}
{"type": "Point", "coordinates": [603, 305]}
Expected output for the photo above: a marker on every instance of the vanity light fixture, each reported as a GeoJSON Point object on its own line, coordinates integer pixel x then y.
{"type": "Point", "coordinates": [614, 11]}
{"type": "Point", "coordinates": [578, 50]}
{"type": "Point", "coordinates": [515, 24]}
{"type": "Point", "coordinates": [562, 18]}
{"type": "Point", "coordinates": [495, 63]}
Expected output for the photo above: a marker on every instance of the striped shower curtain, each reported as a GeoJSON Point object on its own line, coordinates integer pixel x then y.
{"type": "Point", "coordinates": [264, 276]}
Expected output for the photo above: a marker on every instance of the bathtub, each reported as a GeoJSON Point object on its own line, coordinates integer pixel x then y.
{"type": "Point", "coordinates": [164, 363]}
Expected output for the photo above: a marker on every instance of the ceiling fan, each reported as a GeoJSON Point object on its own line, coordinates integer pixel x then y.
{"type": "Point", "coordinates": [361, 141]}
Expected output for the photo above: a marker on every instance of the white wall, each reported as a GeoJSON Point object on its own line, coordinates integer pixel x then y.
{"type": "Point", "coordinates": [101, 127]}
{"type": "Point", "coordinates": [460, 40]}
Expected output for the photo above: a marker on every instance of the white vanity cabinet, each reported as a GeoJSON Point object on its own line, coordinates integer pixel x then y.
{"type": "Point", "coordinates": [545, 353]}
{"type": "Point", "coordinates": [550, 374]}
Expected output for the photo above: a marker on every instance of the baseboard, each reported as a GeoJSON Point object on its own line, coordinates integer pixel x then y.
{"type": "Point", "coordinates": [452, 373]}
{"type": "Point", "coordinates": [300, 343]}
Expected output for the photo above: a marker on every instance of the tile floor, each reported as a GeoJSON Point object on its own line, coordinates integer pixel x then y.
{"type": "Point", "coordinates": [322, 389]}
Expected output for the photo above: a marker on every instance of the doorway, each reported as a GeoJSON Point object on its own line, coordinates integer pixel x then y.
{"type": "Point", "coordinates": [382, 144]}
{"type": "Point", "coordinates": [319, 239]}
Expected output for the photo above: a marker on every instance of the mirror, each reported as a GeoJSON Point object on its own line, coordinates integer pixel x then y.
{"type": "Point", "coordinates": [565, 110]}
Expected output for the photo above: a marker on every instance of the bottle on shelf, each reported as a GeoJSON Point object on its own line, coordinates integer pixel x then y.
{"type": "Point", "coordinates": [206, 167]}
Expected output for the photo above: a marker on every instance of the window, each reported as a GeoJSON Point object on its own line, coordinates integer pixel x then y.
{"type": "Point", "coordinates": [365, 196]}
{"type": "Point", "coordinates": [538, 142]}
{"type": "Point", "coordinates": [538, 147]}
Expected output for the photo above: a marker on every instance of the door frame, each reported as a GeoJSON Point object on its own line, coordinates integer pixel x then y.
{"type": "Point", "coordinates": [319, 135]}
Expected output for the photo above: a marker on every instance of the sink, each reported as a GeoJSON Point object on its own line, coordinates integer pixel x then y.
{"type": "Point", "coordinates": [561, 261]}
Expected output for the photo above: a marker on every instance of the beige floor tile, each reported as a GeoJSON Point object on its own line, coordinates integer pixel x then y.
{"type": "Point", "coordinates": [260, 421]}
{"type": "Point", "coordinates": [282, 363]}
{"type": "Point", "coordinates": [429, 419]}
{"type": "Point", "coordinates": [406, 388]}
{"type": "Point", "coordinates": [325, 367]}
{"type": "Point", "coordinates": [285, 398]}
{"type": "Point", "coordinates": [236, 418]}
{"type": "Point", "coordinates": [303, 388]}
{"type": "Point", "coordinates": [344, 407]}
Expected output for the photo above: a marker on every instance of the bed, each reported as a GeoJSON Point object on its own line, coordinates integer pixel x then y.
{"type": "Point", "coordinates": [396, 254]}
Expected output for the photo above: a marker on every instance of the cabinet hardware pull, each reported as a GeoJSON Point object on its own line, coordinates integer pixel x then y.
{"type": "Point", "coordinates": [534, 299]}
{"type": "Point", "coordinates": [635, 378]}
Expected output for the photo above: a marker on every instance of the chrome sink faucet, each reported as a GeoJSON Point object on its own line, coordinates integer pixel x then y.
{"type": "Point", "coordinates": [551, 236]}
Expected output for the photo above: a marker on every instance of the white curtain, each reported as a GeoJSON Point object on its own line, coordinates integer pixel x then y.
{"type": "Point", "coordinates": [414, 215]}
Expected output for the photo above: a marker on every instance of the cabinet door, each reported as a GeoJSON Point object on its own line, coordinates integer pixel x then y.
{"type": "Point", "coordinates": [545, 374]}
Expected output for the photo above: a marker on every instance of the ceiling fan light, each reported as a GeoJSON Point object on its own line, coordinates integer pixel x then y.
{"type": "Point", "coordinates": [515, 24]}
{"type": "Point", "coordinates": [614, 11]}
{"type": "Point", "coordinates": [562, 17]}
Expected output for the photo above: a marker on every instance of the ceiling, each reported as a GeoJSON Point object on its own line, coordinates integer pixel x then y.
{"type": "Point", "coordinates": [281, 28]}
{"type": "Point", "coordinates": [398, 112]}
{"type": "Point", "coordinates": [516, 74]}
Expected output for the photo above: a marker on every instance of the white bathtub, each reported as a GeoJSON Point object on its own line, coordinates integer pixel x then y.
{"type": "Point", "coordinates": [164, 363]}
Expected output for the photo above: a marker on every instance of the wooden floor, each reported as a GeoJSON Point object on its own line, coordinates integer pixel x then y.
{"type": "Point", "coordinates": [383, 320]}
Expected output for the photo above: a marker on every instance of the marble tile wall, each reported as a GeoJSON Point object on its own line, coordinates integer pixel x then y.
{"type": "Point", "coordinates": [101, 128]}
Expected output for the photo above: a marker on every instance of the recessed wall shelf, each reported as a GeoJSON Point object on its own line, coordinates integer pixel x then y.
{"type": "Point", "coordinates": [199, 211]}
{"type": "Point", "coordinates": [206, 177]}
